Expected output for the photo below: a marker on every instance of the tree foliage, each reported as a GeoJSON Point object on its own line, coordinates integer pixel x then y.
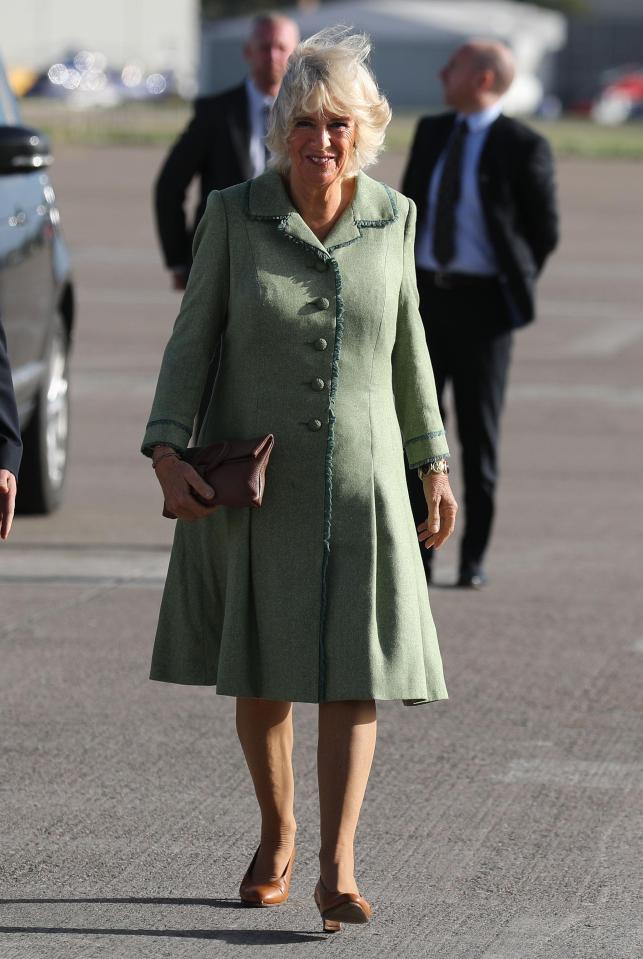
{"type": "Point", "coordinates": [219, 9]}
{"type": "Point", "coordinates": [563, 6]}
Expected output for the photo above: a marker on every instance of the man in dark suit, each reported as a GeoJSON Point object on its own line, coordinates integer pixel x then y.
{"type": "Point", "coordinates": [224, 143]}
{"type": "Point", "coordinates": [487, 220]}
{"type": "Point", "coordinates": [10, 442]}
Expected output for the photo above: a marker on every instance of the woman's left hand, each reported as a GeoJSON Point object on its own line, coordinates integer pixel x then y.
{"type": "Point", "coordinates": [440, 523]}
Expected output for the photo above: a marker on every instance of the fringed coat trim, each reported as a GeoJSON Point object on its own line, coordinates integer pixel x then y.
{"type": "Point", "coordinates": [268, 200]}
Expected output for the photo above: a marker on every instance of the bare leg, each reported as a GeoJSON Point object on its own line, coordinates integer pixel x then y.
{"type": "Point", "coordinates": [266, 736]}
{"type": "Point", "coordinates": [347, 733]}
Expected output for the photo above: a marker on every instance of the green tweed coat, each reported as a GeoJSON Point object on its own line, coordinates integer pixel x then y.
{"type": "Point", "coordinates": [320, 594]}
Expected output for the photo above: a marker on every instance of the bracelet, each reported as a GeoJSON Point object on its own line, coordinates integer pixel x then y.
{"type": "Point", "coordinates": [434, 468]}
{"type": "Point", "coordinates": [173, 453]}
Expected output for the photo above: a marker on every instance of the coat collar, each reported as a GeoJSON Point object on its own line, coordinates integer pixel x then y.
{"type": "Point", "coordinates": [236, 114]}
{"type": "Point", "coordinates": [373, 205]}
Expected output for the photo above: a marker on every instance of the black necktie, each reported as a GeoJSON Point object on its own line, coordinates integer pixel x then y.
{"type": "Point", "coordinates": [448, 196]}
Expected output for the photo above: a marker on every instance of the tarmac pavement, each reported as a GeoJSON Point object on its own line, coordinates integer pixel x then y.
{"type": "Point", "coordinates": [503, 824]}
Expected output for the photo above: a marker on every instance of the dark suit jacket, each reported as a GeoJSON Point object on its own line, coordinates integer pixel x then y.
{"type": "Point", "coordinates": [10, 442]}
{"type": "Point", "coordinates": [215, 147]}
{"type": "Point", "coordinates": [518, 196]}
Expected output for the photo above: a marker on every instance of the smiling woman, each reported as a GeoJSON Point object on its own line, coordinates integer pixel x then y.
{"type": "Point", "coordinates": [303, 285]}
{"type": "Point", "coordinates": [328, 77]}
{"type": "Point", "coordinates": [320, 146]}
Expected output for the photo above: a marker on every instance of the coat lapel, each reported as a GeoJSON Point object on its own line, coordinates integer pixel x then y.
{"type": "Point", "coordinates": [269, 200]}
{"type": "Point", "coordinates": [491, 165]}
{"type": "Point", "coordinates": [490, 148]}
{"type": "Point", "coordinates": [437, 144]}
{"type": "Point", "coordinates": [239, 127]}
{"type": "Point", "coordinates": [373, 205]}
{"type": "Point", "coordinates": [297, 229]}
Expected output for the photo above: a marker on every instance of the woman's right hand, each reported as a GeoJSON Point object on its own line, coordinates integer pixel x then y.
{"type": "Point", "coordinates": [177, 480]}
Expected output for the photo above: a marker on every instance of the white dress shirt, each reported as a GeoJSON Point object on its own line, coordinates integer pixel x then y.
{"type": "Point", "coordinates": [474, 252]}
{"type": "Point", "coordinates": [257, 102]}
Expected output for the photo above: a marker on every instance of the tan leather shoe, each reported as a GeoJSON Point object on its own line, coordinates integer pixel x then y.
{"type": "Point", "coordinates": [272, 893]}
{"type": "Point", "coordinates": [337, 907]}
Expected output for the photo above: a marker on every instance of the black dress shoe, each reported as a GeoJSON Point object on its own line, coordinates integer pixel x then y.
{"type": "Point", "coordinates": [472, 579]}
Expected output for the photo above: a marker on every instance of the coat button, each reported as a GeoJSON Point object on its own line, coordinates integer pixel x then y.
{"type": "Point", "coordinates": [321, 266]}
{"type": "Point", "coordinates": [320, 344]}
{"type": "Point", "coordinates": [314, 425]}
{"type": "Point", "coordinates": [318, 384]}
{"type": "Point", "coordinates": [322, 302]}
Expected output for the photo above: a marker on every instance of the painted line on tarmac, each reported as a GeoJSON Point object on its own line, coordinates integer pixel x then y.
{"type": "Point", "coordinates": [139, 297]}
{"type": "Point", "coordinates": [523, 935]}
{"type": "Point", "coordinates": [613, 337]}
{"type": "Point", "coordinates": [617, 327]}
{"type": "Point", "coordinates": [595, 269]}
{"type": "Point", "coordinates": [607, 395]}
{"type": "Point", "coordinates": [589, 310]}
{"type": "Point", "coordinates": [84, 566]}
{"type": "Point", "coordinates": [104, 381]}
{"type": "Point", "coordinates": [127, 255]}
{"type": "Point", "coordinates": [87, 382]}
{"type": "Point", "coordinates": [129, 582]}
{"type": "Point", "coordinates": [574, 772]}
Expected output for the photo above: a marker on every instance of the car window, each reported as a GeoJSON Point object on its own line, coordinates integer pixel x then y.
{"type": "Point", "coordinates": [8, 106]}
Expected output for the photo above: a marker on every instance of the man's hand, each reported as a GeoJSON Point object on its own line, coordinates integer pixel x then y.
{"type": "Point", "coordinates": [440, 523]}
{"type": "Point", "coordinates": [179, 276]}
{"type": "Point", "coordinates": [8, 490]}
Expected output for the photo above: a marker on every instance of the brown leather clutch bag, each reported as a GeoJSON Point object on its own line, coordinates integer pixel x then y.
{"type": "Point", "coordinates": [235, 469]}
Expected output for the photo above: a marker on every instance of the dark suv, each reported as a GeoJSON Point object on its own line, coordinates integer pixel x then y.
{"type": "Point", "coordinates": [36, 305]}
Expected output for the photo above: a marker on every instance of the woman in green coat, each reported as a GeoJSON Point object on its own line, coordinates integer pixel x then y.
{"type": "Point", "coordinates": [304, 285]}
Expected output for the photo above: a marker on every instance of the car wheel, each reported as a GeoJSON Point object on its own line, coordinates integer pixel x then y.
{"type": "Point", "coordinates": [46, 437]}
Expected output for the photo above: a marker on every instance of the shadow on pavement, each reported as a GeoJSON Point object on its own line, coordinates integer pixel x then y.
{"type": "Point", "coordinates": [239, 937]}
{"type": "Point", "coordinates": [133, 900]}
{"type": "Point", "coordinates": [268, 937]}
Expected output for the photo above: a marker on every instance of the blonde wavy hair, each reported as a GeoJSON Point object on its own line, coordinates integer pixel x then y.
{"type": "Point", "coordinates": [328, 74]}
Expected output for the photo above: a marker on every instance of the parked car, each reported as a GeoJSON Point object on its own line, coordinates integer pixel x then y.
{"type": "Point", "coordinates": [620, 97]}
{"type": "Point", "coordinates": [84, 79]}
{"type": "Point", "coordinates": [36, 305]}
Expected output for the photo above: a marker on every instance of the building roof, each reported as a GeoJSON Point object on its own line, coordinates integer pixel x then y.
{"type": "Point", "coordinates": [412, 39]}
{"type": "Point", "coordinates": [416, 20]}
{"type": "Point", "coordinates": [615, 9]}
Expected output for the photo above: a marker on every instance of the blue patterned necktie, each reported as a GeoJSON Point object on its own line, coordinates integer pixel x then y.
{"type": "Point", "coordinates": [444, 240]}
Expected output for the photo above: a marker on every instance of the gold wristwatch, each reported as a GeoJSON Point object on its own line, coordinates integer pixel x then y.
{"type": "Point", "coordinates": [437, 466]}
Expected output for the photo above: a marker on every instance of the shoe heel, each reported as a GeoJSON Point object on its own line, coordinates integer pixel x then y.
{"type": "Point", "coordinates": [337, 907]}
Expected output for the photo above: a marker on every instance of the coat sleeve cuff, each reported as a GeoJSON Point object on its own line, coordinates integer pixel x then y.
{"type": "Point", "coordinates": [167, 432]}
{"type": "Point", "coordinates": [10, 457]}
{"type": "Point", "coordinates": [427, 448]}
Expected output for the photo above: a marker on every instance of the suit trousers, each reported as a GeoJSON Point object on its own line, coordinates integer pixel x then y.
{"type": "Point", "coordinates": [470, 348]}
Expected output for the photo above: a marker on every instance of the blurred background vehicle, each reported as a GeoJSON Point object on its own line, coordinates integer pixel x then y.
{"type": "Point", "coordinates": [85, 79]}
{"type": "Point", "coordinates": [620, 96]}
{"type": "Point", "coordinates": [102, 54]}
{"type": "Point", "coordinates": [36, 305]}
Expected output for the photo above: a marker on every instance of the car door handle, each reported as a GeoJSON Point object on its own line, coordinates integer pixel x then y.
{"type": "Point", "coordinates": [19, 218]}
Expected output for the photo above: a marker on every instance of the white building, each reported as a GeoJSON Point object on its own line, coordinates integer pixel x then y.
{"type": "Point", "coordinates": [158, 34]}
{"type": "Point", "coordinates": [412, 39]}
